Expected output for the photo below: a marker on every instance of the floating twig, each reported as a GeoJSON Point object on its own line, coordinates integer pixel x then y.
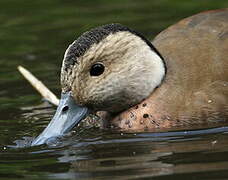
{"type": "Point", "coordinates": [39, 86]}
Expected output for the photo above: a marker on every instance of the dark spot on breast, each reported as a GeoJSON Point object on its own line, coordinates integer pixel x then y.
{"type": "Point", "coordinates": [127, 122]}
{"type": "Point", "coordinates": [144, 105]}
{"type": "Point", "coordinates": [145, 115]}
{"type": "Point", "coordinates": [152, 121]}
{"type": "Point", "coordinates": [132, 115]}
{"type": "Point", "coordinates": [129, 125]}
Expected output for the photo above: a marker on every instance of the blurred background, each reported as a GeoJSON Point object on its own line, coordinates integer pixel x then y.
{"type": "Point", "coordinates": [35, 34]}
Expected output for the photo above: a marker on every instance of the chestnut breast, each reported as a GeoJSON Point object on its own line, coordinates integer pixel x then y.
{"type": "Point", "coordinates": [195, 89]}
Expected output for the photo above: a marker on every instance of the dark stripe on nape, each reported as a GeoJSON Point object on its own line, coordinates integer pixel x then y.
{"type": "Point", "coordinates": [87, 39]}
{"type": "Point", "coordinates": [94, 36]}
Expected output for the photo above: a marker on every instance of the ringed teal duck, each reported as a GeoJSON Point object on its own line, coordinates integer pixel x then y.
{"type": "Point", "coordinates": [178, 80]}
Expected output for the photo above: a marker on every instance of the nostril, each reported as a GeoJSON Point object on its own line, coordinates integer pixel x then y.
{"type": "Point", "coordinates": [65, 108]}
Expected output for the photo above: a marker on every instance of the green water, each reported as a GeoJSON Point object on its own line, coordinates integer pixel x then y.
{"type": "Point", "coordinates": [35, 34]}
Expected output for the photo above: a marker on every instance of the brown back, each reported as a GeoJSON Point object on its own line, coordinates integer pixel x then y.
{"type": "Point", "coordinates": [195, 90]}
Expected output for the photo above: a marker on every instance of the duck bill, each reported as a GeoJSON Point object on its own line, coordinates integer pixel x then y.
{"type": "Point", "coordinates": [67, 116]}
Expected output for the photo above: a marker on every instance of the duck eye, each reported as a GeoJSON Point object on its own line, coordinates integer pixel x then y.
{"type": "Point", "coordinates": [97, 69]}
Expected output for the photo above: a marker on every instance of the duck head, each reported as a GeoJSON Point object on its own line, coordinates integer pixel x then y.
{"type": "Point", "coordinates": [110, 68]}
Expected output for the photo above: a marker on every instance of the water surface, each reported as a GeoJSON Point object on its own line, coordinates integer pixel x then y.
{"type": "Point", "coordinates": [35, 34]}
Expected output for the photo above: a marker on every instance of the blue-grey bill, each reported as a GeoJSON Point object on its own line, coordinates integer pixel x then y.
{"type": "Point", "coordinates": [67, 116]}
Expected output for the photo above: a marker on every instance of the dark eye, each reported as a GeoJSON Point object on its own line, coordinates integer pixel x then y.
{"type": "Point", "coordinates": [97, 69]}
